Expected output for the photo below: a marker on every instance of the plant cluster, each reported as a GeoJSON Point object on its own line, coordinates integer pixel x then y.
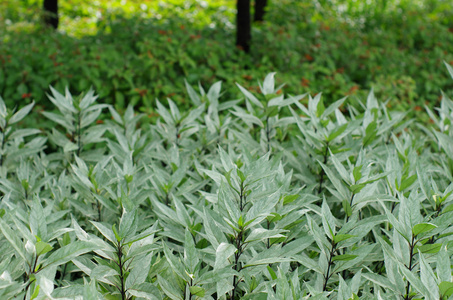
{"type": "Point", "coordinates": [139, 53]}
{"type": "Point", "coordinates": [257, 198]}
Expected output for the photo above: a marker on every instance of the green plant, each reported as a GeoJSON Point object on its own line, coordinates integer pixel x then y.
{"type": "Point", "coordinates": [280, 198]}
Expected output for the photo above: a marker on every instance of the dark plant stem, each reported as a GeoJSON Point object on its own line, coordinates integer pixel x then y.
{"type": "Point", "coordinates": [329, 264]}
{"type": "Point", "coordinates": [190, 284]}
{"type": "Point", "coordinates": [98, 204]}
{"type": "Point", "coordinates": [237, 266]}
{"type": "Point", "coordinates": [27, 276]}
{"type": "Point", "coordinates": [63, 274]}
{"type": "Point", "coordinates": [411, 255]}
{"type": "Point", "coordinates": [122, 289]}
{"type": "Point", "coordinates": [167, 199]}
{"type": "Point", "coordinates": [238, 243]}
{"type": "Point", "coordinates": [242, 198]}
{"type": "Point", "coordinates": [3, 142]}
{"type": "Point", "coordinates": [323, 173]}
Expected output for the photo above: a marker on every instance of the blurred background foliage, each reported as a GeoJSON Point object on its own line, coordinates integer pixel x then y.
{"type": "Point", "coordinates": [137, 51]}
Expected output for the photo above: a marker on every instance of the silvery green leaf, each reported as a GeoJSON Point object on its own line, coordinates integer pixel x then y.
{"type": "Point", "coordinates": [192, 94]}
{"type": "Point", "coordinates": [63, 103]}
{"type": "Point", "coordinates": [226, 160]}
{"type": "Point", "coordinates": [191, 258]}
{"type": "Point", "coordinates": [216, 275]}
{"type": "Point", "coordinates": [162, 111]}
{"type": "Point", "coordinates": [228, 104]}
{"type": "Point", "coordinates": [250, 96]}
{"type": "Point", "coordinates": [344, 291]}
{"type": "Point", "coordinates": [81, 172]}
{"type": "Point", "coordinates": [145, 290]}
{"type": "Point", "coordinates": [380, 280]}
{"type": "Point", "coordinates": [328, 220]}
{"type": "Point", "coordinates": [279, 101]}
{"type": "Point", "coordinates": [263, 207]}
{"type": "Point", "coordinates": [332, 107]}
{"type": "Point", "coordinates": [90, 291]}
{"type": "Point", "coordinates": [13, 239]}
{"type": "Point", "coordinates": [428, 278]}
{"type": "Point", "coordinates": [355, 282]}
{"type": "Point", "coordinates": [128, 223]}
{"type": "Point", "coordinates": [116, 116]}
{"type": "Point", "coordinates": [88, 99]}
{"type": "Point", "coordinates": [415, 282]}
{"type": "Point", "coordinates": [223, 286]}
{"type": "Point", "coordinates": [70, 146]}
{"type": "Point", "coordinates": [401, 228]}
{"type": "Point", "coordinates": [169, 288]}
{"type": "Point", "coordinates": [175, 263]}
{"type": "Point", "coordinates": [214, 234]}
{"type": "Point", "coordinates": [214, 93]}
{"type": "Point", "coordinates": [89, 118]}
{"type": "Point", "coordinates": [223, 252]}
{"type": "Point", "coordinates": [105, 231]}
{"type": "Point", "coordinates": [21, 133]}
{"type": "Point", "coordinates": [174, 110]}
{"type": "Point", "coordinates": [259, 234]}
{"type": "Point", "coordinates": [340, 188]}
{"type": "Point", "coordinates": [268, 84]}
{"type": "Point", "coordinates": [93, 134]}
{"type": "Point", "coordinates": [370, 106]}
{"type": "Point", "coordinates": [449, 68]}
{"type": "Point", "coordinates": [318, 235]}
{"type": "Point", "coordinates": [446, 143]}
{"type": "Point", "coordinates": [309, 263]}
{"type": "Point", "coordinates": [3, 111]}
{"type": "Point", "coordinates": [353, 258]}
{"type": "Point", "coordinates": [139, 271]}
{"type": "Point", "coordinates": [19, 115]}
{"type": "Point", "coordinates": [67, 253]}
{"type": "Point", "coordinates": [443, 265]}
{"type": "Point", "coordinates": [193, 115]}
{"type": "Point", "coordinates": [248, 118]}
{"type": "Point", "coordinates": [216, 176]}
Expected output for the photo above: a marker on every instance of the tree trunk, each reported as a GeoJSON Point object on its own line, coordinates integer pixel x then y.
{"type": "Point", "coordinates": [260, 5]}
{"type": "Point", "coordinates": [51, 13]}
{"type": "Point", "coordinates": [243, 25]}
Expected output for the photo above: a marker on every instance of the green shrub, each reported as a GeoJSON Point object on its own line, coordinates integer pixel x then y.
{"type": "Point", "coordinates": [258, 198]}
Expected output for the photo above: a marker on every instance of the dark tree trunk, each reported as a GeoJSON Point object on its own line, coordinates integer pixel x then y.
{"type": "Point", "coordinates": [260, 6]}
{"type": "Point", "coordinates": [243, 25]}
{"type": "Point", "coordinates": [51, 13]}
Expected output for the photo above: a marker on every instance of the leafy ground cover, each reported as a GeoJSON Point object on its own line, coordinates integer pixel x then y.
{"type": "Point", "coordinates": [231, 199]}
{"type": "Point", "coordinates": [135, 53]}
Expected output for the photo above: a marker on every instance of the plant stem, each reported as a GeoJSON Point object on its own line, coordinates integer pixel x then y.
{"type": "Point", "coordinates": [411, 254]}
{"type": "Point", "coordinates": [237, 266]}
{"type": "Point", "coordinates": [3, 142]}
{"type": "Point", "coordinates": [328, 275]}
{"type": "Point", "coordinates": [121, 266]}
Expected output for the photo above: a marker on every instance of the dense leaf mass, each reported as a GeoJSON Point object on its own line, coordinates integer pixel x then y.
{"type": "Point", "coordinates": [140, 51]}
{"type": "Point", "coordinates": [257, 198]}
